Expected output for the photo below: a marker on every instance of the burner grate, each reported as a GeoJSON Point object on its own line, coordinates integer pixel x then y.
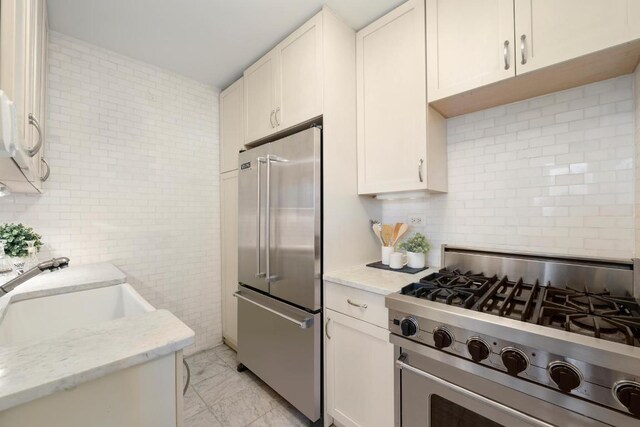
{"type": "Point", "coordinates": [510, 299]}
{"type": "Point", "coordinates": [588, 313]}
{"type": "Point", "coordinates": [451, 287]}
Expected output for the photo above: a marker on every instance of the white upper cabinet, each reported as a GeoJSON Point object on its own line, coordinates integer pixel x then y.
{"type": "Point", "coordinates": [482, 53]}
{"type": "Point", "coordinates": [392, 130]}
{"type": "Point", "coordinates": [260, 97]}
{"type": "Point", "coordinates": [469, 44]}
{"type": "Point", "coordinates": [231, 125]}
{"type": "Point", "coordinates": [551, 31]}
{"type": "Point", "coordinates": [300, 75]}
{"type": "Point", "coordinates": [284, 88]}
{"type": "Point", "coordinates": [23, 59]}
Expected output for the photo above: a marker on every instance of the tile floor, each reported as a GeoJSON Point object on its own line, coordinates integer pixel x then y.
{"type": "Point", "coordinates": [220, 396]}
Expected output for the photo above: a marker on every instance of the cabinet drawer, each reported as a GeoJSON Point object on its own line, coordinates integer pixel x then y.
{"type": "Point", "coordinates": [343, 299]}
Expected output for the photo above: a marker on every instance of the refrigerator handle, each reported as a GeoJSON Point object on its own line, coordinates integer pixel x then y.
{"type": "Point", "coordinates": [259, 273]}
{"type": "Point", "coordinates": [304, 323]}
{"type": "Point", "coordinates": [267, 227]}
{"type": "Point", "coordinates": [270, 158]}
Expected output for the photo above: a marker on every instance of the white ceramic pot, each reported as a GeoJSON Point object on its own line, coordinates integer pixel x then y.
{"type": "Point", "coordinates": [416, 259]}
{"type": "Point", "coordinates": [386, 251]}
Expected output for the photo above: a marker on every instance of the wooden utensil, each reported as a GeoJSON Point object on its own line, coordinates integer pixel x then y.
{"type": "Point", "coordinates": [377, 230]}
{"type": "Point", "coordinates": [396, 230]}
{"type": "Point", "coordinates": [387, 234]}
{"type": "Point", "coordinates": [403, 229]}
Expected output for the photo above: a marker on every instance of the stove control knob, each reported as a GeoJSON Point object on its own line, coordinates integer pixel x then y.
{"type": "Point", "coordinates": [442, 338]}
{"type": "Point", "coordinates": [514, 360]}
{"type": "Point", "coordinates": [566, 376]}
{"type": "Point", "coordinates": [628, 394]}
{"type": "Point", "coordinates": [409, 326]}
{"type": "Point", "coordinates": [478, 349]}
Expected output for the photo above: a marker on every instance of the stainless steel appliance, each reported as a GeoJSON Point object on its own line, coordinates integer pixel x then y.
{"type": "Point", "coordinates": [279, 267]}
{"type": "Point", "coordinates": [518, 339]}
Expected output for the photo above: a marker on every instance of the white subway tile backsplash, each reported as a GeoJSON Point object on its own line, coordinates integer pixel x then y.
{"type": "Point", "coordinates": [134, 179]}
{"type": "Point", "coordinates": [554, 174]}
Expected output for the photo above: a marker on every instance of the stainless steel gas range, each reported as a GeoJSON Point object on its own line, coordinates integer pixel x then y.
{"type": "Point", "coordinates": [518, 339]}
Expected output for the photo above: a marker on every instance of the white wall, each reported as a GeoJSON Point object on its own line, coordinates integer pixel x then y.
{"type": "Point", "coordinates": [552, 174]}
{"type": "Point", "coordinates": [636, 87]}
{"type": "Point", "coordinates": [133, 151]}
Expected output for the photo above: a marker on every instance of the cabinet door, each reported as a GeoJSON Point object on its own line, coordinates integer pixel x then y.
{"type": "Point", "coordinates": [469, 44]}
{"type": "Point", "coordinates": [391, 101]}
{"type": "Point", "coordinates": [300, 75]}
{"type": "Point", "coordinates": [359, 372]}
{"type": "Point", "coordinates": [260, 97]}
{"type": "Point", "coordinates": [229, 251]}
{"type": "Point", "coordinates": [231, 130]}
{"type": "Point", "coordinates": [14, 71]}
{"type": "Point", "coordinates": [36, 85]}
{"type": "Point", "coordinates": [556, 31]}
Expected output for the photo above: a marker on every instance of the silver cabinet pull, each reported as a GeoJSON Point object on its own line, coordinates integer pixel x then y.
{"type": "Point", "coordinates": [46, 175]}
{"type": "Point", "coordinates": [276, 116]}
{"type": "Point", "coordinates": [326, 328]}
{"type": "Point", "coordinates": [271, 118]}
{"type": "Point", "coordinates": [523, 39]}
{"type": "Point", "coordinates": [363, 306]}
{"type": "Point", "coordinates": [400, 364]}
{"type": "Point", "coordinates": [259, 273]}
{"type": "Point", "coordinates": [420, 163]}
{"type": "Point", "coordinates": [34, 122]}
{"type": "Point", "coordinates": [506, 54]}
{"type": "Point", "coordinates": [303, 324]}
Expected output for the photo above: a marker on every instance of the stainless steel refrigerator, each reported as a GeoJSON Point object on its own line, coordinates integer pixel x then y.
{"type": "Point", "coordinates": [279, 267]}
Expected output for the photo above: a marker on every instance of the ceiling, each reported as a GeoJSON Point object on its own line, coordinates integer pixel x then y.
{"type": "Point", "coordinates": [211, 41]}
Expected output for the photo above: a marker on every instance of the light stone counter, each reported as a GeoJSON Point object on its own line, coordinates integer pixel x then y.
{"type": "Point", "coordinates": [36, 369]}
{"type": "Point", "coordinates": [374, 280]}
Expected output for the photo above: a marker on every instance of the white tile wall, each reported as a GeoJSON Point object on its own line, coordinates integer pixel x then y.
{"type": "Point", "coordinates": [133, 151]}
{"type": "Point", "coordinates": [553, 174]}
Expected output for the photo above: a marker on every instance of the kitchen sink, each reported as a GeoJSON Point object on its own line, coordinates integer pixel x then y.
{"type": "Point", "coordinates": [34, 319]}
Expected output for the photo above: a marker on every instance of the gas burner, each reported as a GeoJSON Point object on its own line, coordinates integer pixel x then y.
{"type": "Point", "coordinates": [595, 314]}
{"type": "Point", "coordinates": [451, 287]}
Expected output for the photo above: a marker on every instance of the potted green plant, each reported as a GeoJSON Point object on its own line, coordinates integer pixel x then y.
{"type": "Point", "coordinates": [20, 243]}
{"type": "Point", "coordinates": [417, 247]}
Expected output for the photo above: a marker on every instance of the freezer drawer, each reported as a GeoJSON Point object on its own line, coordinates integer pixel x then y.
{"type": "Point", "coordinates": [281, 345]}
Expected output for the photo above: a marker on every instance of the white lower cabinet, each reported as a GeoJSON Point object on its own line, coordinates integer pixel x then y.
{"type": "Point", "coordinates": [229, 252]}
{"type": "Point", "coordinates": [359, 372]}
{"type": "Point", "coordinates": [147, 394]}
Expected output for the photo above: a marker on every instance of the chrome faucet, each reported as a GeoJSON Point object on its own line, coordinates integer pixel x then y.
{"type": "Point", "coordinates": [52, 264]}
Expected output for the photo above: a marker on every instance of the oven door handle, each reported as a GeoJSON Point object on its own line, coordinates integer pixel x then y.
{"type": "Point", "coordinates": [524, 417]}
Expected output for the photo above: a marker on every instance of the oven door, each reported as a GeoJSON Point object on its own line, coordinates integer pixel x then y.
{"type": "Point", "coordinates": [435, 393]}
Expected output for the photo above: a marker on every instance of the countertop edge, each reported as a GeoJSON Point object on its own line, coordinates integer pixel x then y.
{"type": "Point", "coordinates": [182, 337]}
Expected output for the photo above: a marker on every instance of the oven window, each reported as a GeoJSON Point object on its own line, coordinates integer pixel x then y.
{"type": "Point", "coordinates": [445, 413]}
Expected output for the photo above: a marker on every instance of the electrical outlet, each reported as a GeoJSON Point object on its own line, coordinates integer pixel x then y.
{"type": "Point", "coordinates": [416, 220]}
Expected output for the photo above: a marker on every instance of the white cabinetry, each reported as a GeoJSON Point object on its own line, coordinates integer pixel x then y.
{"type": "Point", "coordinates": [284, 87]}
{"type": "Point", "coordinates": [231, 125]}
{"type": "Point", "coordinates": [469, 44]}
{"type": "Point", "coordinates": [549, 32]}
{"type": "Point", "coordinates": [229, 251]}
{"type": "Point", "coordinates": [260, 97]}
{"type": "Point", "coordinates": [23, 61]}
{"type": "Point", "coordinates": [400, 143]}
{"type": "Point", "coordinates": [359, 368]}
{"type": "Point", "coordinates": [300, 75]}
{"type": "Point", "coordinates": [482, 54]}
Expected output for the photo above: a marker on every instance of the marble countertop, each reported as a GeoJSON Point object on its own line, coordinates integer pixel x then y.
{"type": "Point", "coordinates": [374, 280]}
{"type": "Point", "coordinates": [36, 369]}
